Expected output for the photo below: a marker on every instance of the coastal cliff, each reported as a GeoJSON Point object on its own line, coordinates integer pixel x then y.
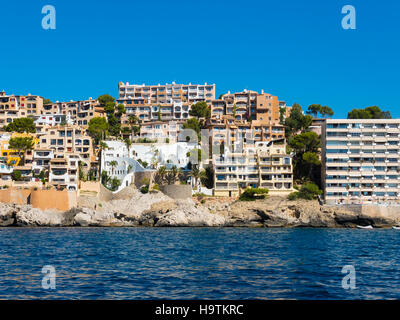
{"type": "Point", "coordinates": [135, 209]}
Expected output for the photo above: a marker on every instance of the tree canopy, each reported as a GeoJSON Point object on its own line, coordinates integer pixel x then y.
{"type": "Point", "coordinates": [373, 112]}
{"type": "Point", "coordinates": [21, 125]}
{"type": "Point", "coordinates": [105, 98]}
{"type": "Point", "coordinates": [306, 163]}
{"type": "Point", "coordinates": [297, 121]}
{"type": "Point", "coordinates": [98, 128]}
{"type": "Point", "coordinates": [21, 145]}
{"type": "Point", "coordinates": [193, 124]}
{"type": "Point", "coordinates": [315, 109]}
{"type": "Point", "coordinates": [47, 101]}
{"type": "Point", "coordinates": [200, 110]}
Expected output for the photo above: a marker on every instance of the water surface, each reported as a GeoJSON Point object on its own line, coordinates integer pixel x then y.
{"type": "Point", "coordinates": [198, 263]}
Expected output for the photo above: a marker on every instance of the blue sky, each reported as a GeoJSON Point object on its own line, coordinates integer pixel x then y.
{"type": "Point", "coordinates": [294, 49]}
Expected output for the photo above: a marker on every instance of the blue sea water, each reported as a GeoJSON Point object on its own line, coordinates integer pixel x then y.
{"type": "Point", "coordinates": [198, 263]}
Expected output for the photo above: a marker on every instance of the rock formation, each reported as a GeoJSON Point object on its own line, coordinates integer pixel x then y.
{"type": "Point", "coordinates": [158, 210]}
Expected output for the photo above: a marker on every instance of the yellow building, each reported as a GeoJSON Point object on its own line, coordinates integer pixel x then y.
{"type": "Point", "coordinates": [10, 156]}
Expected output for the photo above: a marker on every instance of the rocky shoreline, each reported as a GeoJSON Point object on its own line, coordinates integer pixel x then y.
{"type": "Point", "coordinates": [157, 210]}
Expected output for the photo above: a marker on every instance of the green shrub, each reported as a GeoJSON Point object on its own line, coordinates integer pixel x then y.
{"type": "Point", "coordinates": [308, 191]}
{"type": "Point", "coordinates": [144, 189]}
{"type": "Point", "coordinates": [293, 196]}
{"type": "Point", "coordinates": [251, 194]}
{"type": "Point", "coordinates": [156, 187]}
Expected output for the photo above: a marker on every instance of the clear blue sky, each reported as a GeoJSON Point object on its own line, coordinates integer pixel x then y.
{"type": "Point", "coordinates": [294, 49]}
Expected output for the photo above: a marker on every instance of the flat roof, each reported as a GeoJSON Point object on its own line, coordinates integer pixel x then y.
{"type": "Point", "coordinates": [363, 120]}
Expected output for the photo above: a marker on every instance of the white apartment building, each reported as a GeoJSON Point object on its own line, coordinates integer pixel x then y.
{"type": "Point", "coordinates": [361, 160]}
{"type": "Point", "coordinates": [52, 120]}
{"type": "Point", "coordinates": [41, 160]}
{"type": "Point", "coordinates": [64, 171]}
{"type": "Point", "coordinates": [161, 130]}
{"type": "Point", "coordinates": [266, 165]}
{"type": "Point", "coordinates": [119, 162]}
{"type": "Point", "coordinates": [165, 154]}
{"type": "Point", "coordinates": [5, 171]}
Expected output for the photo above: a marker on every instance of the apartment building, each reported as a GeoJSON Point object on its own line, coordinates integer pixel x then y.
{"type": "Point", "coordinates": [71, 139]}
{"type": "Point", "coordinates": [5, 171]}
{"type": "Point", "coordinates": [167, 93]}
{"type": "Point", "coordinates": [51, 120]}
{"type": "Point", "coordinates": [163, 102]}
{"type": "Point", "coordinates": [266, 165]}
{"type": "Point", "coordinates": [161, 131]}
{"type": "Point", "coordinates": [60, 150]}
{"type": "Point", "coordinates": [165, 112]}
{"type": "Point", "coordinates": [64, 171]}
{"type": "Point", "coordinates": [229, 131]}
{"type": "Point", "coordinates": [79, 112]}
{"type": "Point", "coordinates": [361, 160]}
{"type": "Point", "coordinates": [249, 105]}
{"type": "Point", "coordinates": [12, 107]}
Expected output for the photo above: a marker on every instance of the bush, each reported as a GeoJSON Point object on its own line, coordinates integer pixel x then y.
{"type": "Point", "coordinates": [251, 194]}
{"type": "Point", "coordinates": [144, 189]}
{"type": "Point", "coordinates": [308, 191]}
{"type": "Point", "coordinates": [293, 196]}
{"type": "Point", "coordinates": [156, 187]}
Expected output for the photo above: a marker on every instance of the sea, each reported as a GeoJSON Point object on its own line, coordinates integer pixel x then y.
{"type": "Point", "coordinates": [199, 263]}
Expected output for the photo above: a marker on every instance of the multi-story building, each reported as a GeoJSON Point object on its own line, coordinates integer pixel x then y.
{"type": "Point", "coordinates": [68, 140]}
{"type": "Point", "coordinates": [249, 105]}
{"type": "Point", "coordinates": [12, 107]}
{"type": "Point", "coordinates": [228, 131]}
{"type": "Point", "coordinates": [151, 112]}
{"type": "Point", "coordinates": [168, 93]}
{"type": "Point", "coordinates": [266, 165]}
{"type": "Point", "coordinates": [163, 102]}
{"type": "Point", "coordinates": [79, 112]}
{"type": "Point", "coordinates": [41, 160]}
{"type": "Point", "coordinates": [161, 131]}
{"type": "Point", "coordinates": [63, 171]}
{"type": "Point", "coordinates": [361, 160]}
{"type": "Point", "coordinates": [51, 120]}
{"type": "Point", "coordinates": [5, 171]}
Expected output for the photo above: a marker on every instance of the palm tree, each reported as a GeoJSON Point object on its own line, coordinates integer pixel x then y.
{"type": "Point", "coordinates": [102, 146]}
{"type": "Point", "coordinates": [154, 160]}
{"type": "Point", "coordinates": [196, 174]}
{"type": "Point", "coordinates": [113, 164]}
{"type": "Point", "coordinates": [172, 175]}
{"type": "Point", "coordinates": [161, 173]}
{"type": "Point", "coordinates": [128, 144]}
